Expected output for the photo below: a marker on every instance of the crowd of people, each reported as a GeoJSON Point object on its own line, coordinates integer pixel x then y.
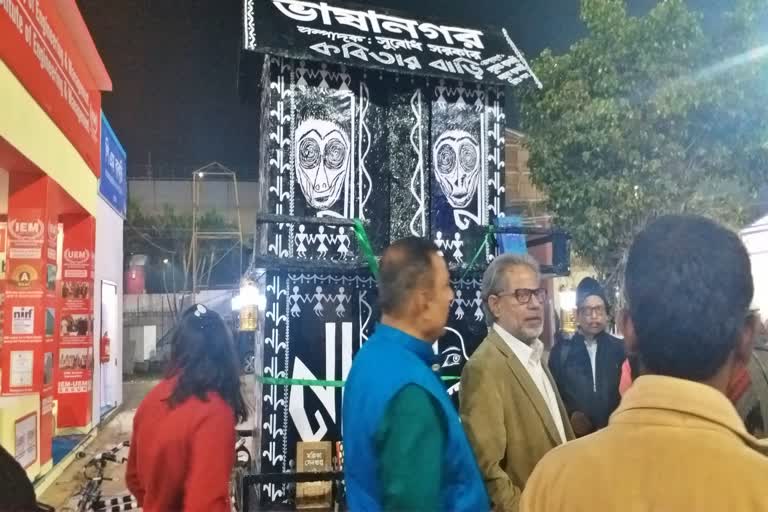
{"type": "Point", "coordinates": [554, 434]}
{"type": "Point", "coordinates": [666, 419]}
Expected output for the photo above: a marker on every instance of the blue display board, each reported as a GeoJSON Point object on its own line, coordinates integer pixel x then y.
{"type": "Point", "coordinates": [113, 183]}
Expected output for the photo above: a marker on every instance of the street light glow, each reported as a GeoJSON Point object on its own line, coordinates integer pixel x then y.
{"type": "Point", "coordinates": [568, 300]}
{"type": "Point", "coordinates": [249, 296]}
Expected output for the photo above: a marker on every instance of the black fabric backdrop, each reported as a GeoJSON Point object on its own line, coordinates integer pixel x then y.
{"type": "Point", "coordinates": [375, 133]}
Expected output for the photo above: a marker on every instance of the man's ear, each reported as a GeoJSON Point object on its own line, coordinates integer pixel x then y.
{"type": "Point", "coordinates": [493, 304]}
{"type": "Point", "coordinates": [746, 342]}
{"type": "Point", "coordinates": [627, 328]}
{"type": "Point", "coordinates": [421, 300]}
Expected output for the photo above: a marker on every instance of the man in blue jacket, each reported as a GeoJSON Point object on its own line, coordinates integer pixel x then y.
{"type": "Point", "coordinates": [404, 446]}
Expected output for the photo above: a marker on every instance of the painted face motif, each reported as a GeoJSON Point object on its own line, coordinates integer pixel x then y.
{"type": "Point", "coordinates": [322, 161]}
{"type": "Point", "coordinates": [457, 166]}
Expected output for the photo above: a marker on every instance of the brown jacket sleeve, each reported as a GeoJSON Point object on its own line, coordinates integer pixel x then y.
{"type": "Point", "coordinates": [483, 420]}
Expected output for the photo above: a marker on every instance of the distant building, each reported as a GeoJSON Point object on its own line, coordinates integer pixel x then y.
{"type": "Point", "coordinates": [522, 196]}
{"type": "Point", "coordinates": [154, 195]}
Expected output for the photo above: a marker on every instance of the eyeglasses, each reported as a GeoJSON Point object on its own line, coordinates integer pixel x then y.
{"type": "Point", "coordinates": [523, 295]}
{"type": "Point", "coordinates": [592, 311]}
{"type": "Point", "coordinates": [200, 310]}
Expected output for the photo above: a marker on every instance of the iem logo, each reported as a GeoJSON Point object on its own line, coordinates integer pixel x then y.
{"type": "Point", "coordinates": [22, 230]}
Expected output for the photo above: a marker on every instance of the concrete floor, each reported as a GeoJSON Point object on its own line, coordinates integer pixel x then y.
{"type": "Point", "coordinates": [115, 431]}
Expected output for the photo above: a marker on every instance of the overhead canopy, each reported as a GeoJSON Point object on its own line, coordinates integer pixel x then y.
{"type": "Point", "coordinates": [383, 39]}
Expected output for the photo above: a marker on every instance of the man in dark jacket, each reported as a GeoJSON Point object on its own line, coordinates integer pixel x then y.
{"type": "Point", "coordinates": [587, 368]}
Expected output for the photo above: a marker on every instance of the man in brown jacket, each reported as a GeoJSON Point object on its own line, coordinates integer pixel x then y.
{"type": "Point", "coordinates": [508, 401]}
{"type": "Point", "coordinates": [676, 443]}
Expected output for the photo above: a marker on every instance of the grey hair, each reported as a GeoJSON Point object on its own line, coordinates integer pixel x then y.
{"type": "Point", "coordinates": [493, 278]}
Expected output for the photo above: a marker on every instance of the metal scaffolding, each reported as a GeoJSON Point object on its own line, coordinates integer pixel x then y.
{"type": "Point", "coordinates": [213, 173]}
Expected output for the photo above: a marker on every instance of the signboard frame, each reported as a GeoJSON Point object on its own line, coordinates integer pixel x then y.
{"type": "Point", "coordinates": [113, 182]}
{"type": "Point", "coordinates": [24, 459]}
{"type": "Point", "coordinates": [384, 39]}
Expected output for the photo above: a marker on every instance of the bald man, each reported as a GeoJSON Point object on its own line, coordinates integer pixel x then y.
{"type": "Point", "coordinates": [405, 448]}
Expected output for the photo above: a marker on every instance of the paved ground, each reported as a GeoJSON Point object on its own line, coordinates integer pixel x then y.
{"type": "Point", "coordinates": [117, 430]}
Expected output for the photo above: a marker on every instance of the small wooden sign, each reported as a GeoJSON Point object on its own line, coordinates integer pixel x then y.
{"type": "Point", "coordinates": [315, 456]}
{"type": "Point", "coordinates": [249, 318]}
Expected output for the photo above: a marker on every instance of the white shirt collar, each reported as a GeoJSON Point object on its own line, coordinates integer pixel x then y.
{"type": "Point", "coordinates": [529, 355]}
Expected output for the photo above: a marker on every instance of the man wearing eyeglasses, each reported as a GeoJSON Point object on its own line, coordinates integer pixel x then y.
{"type": "Point", "coordinates": [509, 403]}
{"type": "Point", "coordinates": [587, 368]}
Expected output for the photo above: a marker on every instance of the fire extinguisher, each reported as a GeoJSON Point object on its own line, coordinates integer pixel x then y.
{"type": "Point", "coordinates": [105, 345]}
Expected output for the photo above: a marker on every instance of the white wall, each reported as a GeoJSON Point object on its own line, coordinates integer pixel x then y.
{"type": "Point", "coordinates": [109, 267]}
{"type": "Point", "coordinates": [755, 238]}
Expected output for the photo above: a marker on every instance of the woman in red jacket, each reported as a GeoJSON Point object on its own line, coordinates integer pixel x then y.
{"type": "Point", "coordinates": [182, 450]}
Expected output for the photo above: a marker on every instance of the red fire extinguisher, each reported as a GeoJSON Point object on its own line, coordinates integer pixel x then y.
{"type": "Point", "coordinates": [105, 344]}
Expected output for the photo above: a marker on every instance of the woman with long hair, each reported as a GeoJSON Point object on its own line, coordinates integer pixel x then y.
{"type": "Point", "coordinates": [182, 450]}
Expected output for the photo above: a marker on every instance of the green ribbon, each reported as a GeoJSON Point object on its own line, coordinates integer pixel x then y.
{"type": "Point", "coordinates": [365, 246]}
{"type": "Point", "coordinates": [322, 383]}
{"type": "Point", "coordinates": [490, 230]}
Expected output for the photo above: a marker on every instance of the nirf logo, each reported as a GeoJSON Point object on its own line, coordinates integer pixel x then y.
{"type": "Point", "coordinates": [23, 313]}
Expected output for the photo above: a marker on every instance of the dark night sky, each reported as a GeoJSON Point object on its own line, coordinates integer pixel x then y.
{"type": "Point", "coordinates": [174, 68]}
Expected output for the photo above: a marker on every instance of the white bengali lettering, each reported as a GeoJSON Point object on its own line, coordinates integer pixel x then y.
{"type": "Point", "coordinates": [303, 11]}
{"type": "Point", "coordinates": [363, 21]}
{"type": "Point", "coordinates": [492, 60]}
{"type": "Point", "coordinates": [451, 51]}
{"type": "Point", "coordinates": [372, 22]}
{"type": "Point", "coordinates": [520, 78]}
{"type": "Point", "coordinates": [355, 50]}
{"type": "Point", "coordinates": [508, 75]}
{"type": "Point", "coordinates": [469, 67]}
{"type": "Point", "coordinates": [333, 36]}
{"type": "Point", "coordinates": [412, 63]}
{"type": "Point", "coordinates": [433, 31]}
{"type": "Point", "coordinates": [392, 44]}
{"type": "Point", "coordinates": [397, 25]}
{"type": "Point", "coordinates": [325, 49]}
{"type": "Point", "coordinates": [470, 38]}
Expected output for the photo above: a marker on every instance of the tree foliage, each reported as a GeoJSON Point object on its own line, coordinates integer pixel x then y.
{"type": "Point", "coordinates": [166, 238]}
{"type": "Point", "coordinates": [646, 116]}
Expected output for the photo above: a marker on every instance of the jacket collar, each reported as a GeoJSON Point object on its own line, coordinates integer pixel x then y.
{"type": "Point", "coordinates": [579, 336]}
{"type": "Point", "coordinates": [422, 349]}
{"type": "Point", "coordinates": [670, 397]}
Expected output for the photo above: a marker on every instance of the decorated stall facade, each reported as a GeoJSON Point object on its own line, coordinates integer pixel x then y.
{"type": "Point", "coordinates": [397, 124]}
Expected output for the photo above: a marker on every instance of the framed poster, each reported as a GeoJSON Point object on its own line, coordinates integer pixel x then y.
{"type": "Point", "coordinates": [26, 440]}
{"type": "Point", "coordinates": [22, 365]}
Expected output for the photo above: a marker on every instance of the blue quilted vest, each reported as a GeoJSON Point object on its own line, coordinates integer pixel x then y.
{"type": "Point", "coordinates": [386, 363]}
